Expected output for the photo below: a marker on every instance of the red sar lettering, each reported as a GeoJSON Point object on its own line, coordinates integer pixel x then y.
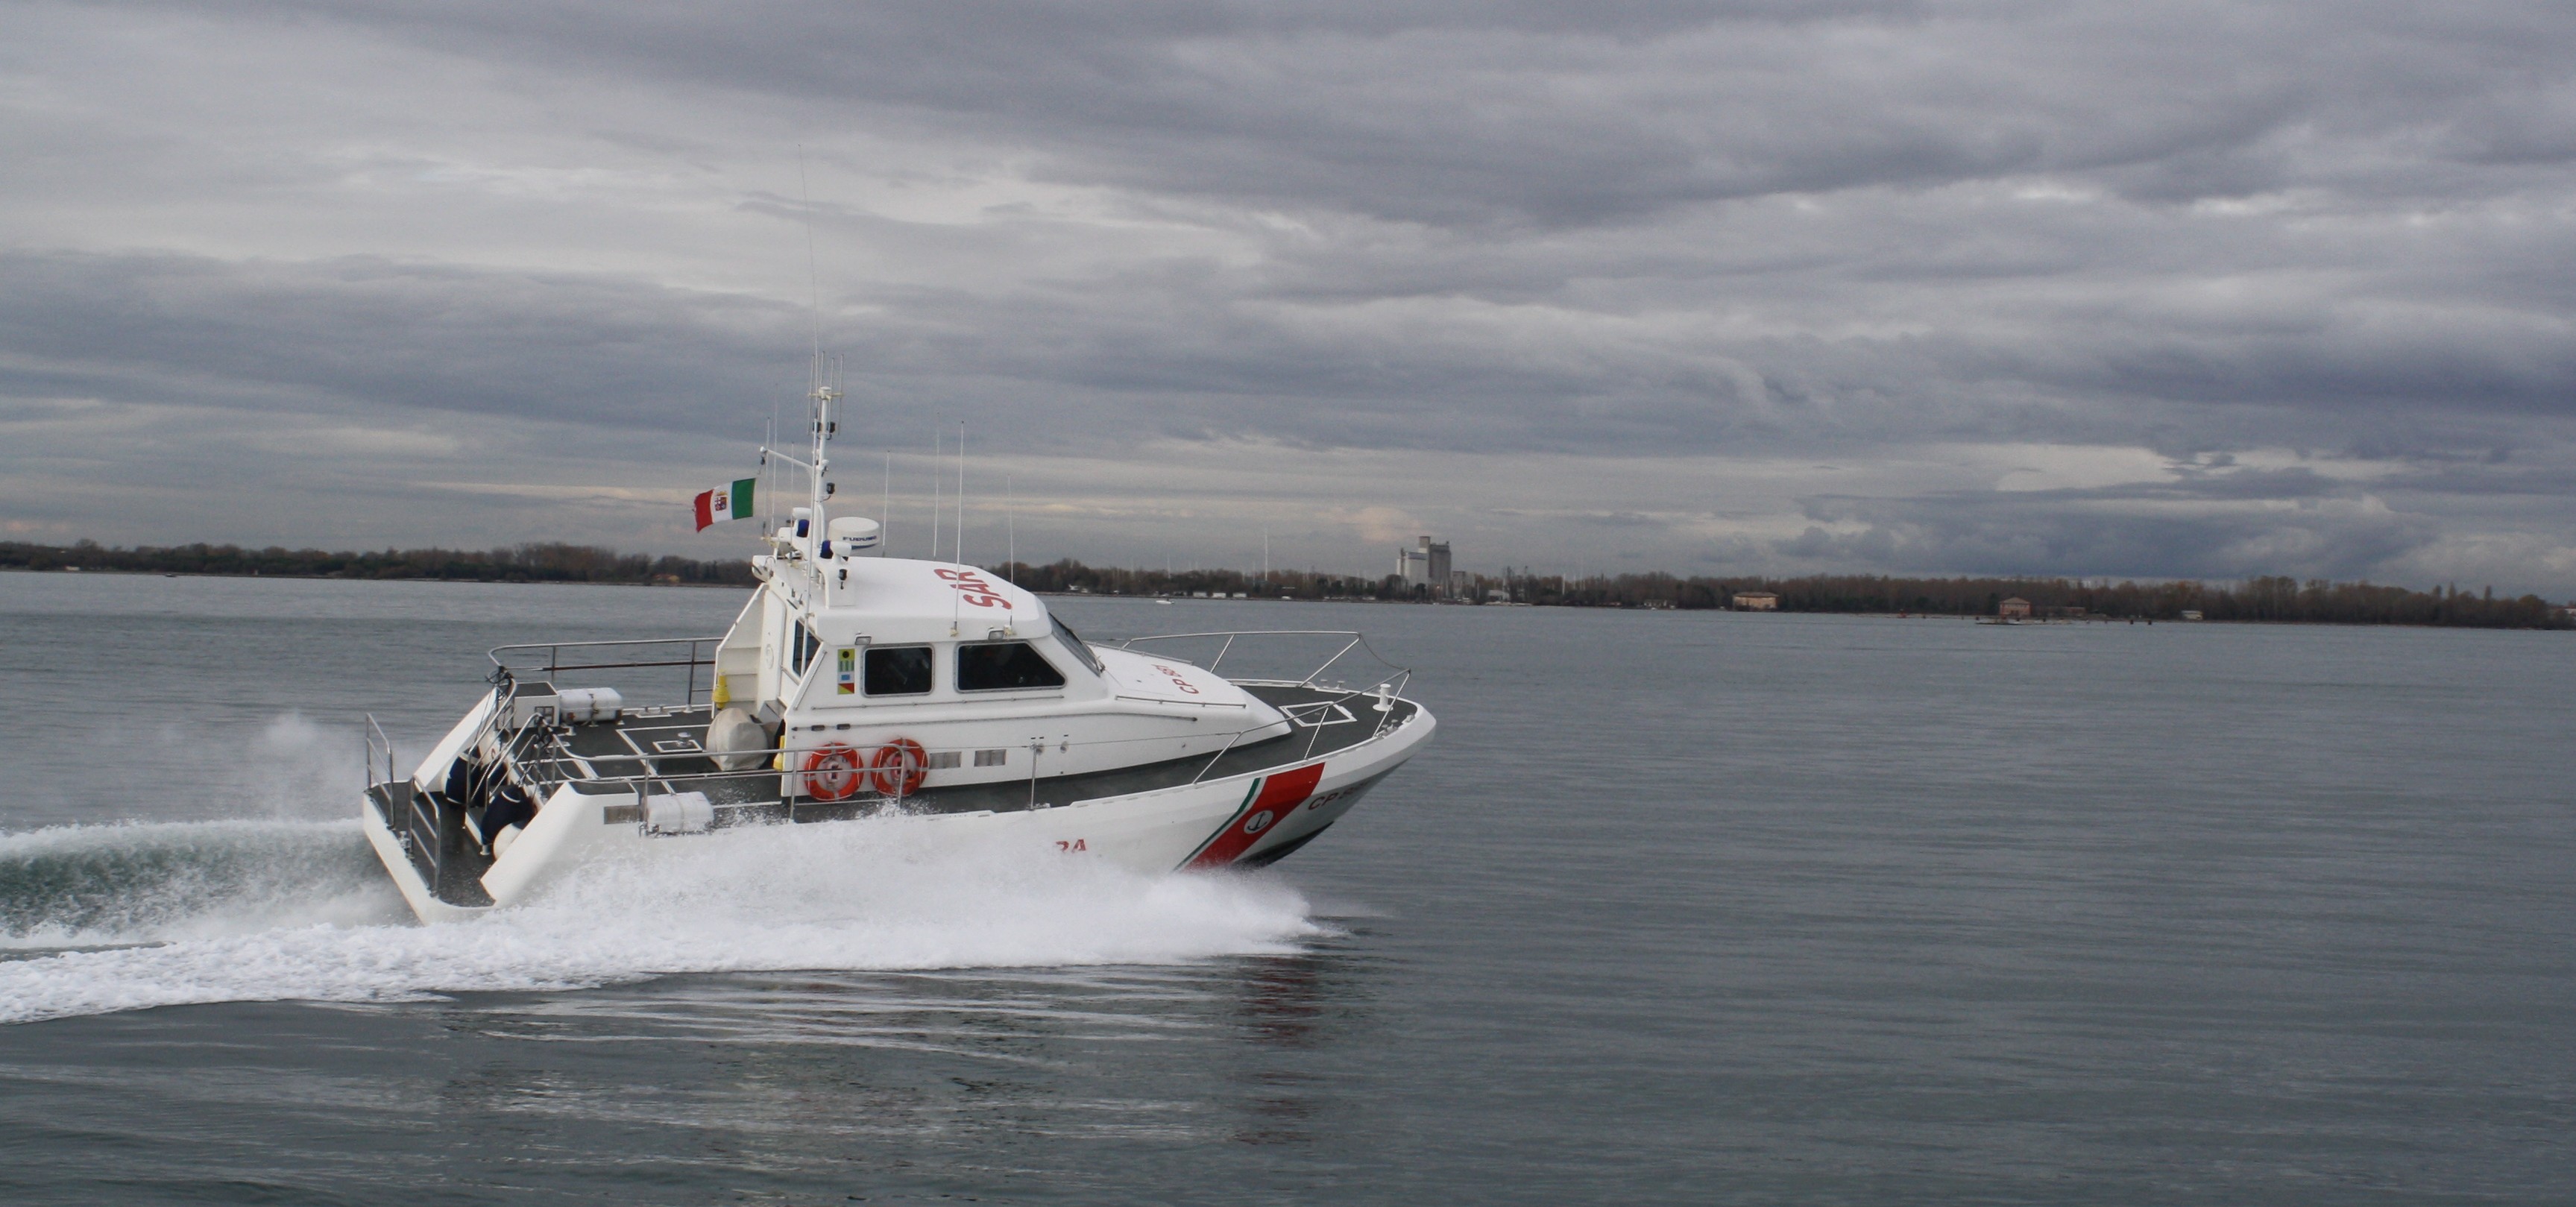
{"type": "Point", "coordinates": [974, 588]}
{"type": "Point", "coordinates": [1177, 681]}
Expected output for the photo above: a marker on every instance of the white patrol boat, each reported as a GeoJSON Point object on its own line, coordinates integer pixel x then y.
{"type": "Point", "coordinates": [856, 687]}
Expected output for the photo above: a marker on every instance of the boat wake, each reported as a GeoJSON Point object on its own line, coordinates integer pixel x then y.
{"type": "Point", "coordinates": [101, 886]}
{"type": "Point", "coordinates": [96, 919]}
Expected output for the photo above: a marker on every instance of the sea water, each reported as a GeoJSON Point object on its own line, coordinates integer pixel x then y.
{"type": "Point", "coordinates": [1678, 906]}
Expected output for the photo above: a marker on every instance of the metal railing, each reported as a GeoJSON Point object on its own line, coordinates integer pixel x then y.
{"type": "Point", "coordinates": [541, 760]}
{"type": "Point", "coordinates": [509, 669]}
{"type": "Point", "coordinates": [1388, 685]}
{"type": "Point", "coordinates": [1350, 640]}
{"type": "Point", "coordinates": [377, 743]}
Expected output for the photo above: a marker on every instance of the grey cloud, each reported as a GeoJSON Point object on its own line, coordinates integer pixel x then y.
{"type": "Point", "coordinates": [353, 332]}
{"type": "Point", "coordinates": [1858, 231]}
{"type": "Point", "coordinates": [1622, 519]}
{"type": "Point", "coordinates": [2059, 533]}
{"type": "Point", "coordinates": [1183, 354]}
{"type": "Point", "coordinates": [1601, 114]}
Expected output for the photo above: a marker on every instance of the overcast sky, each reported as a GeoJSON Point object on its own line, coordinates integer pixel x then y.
{"type": "Point", "coordinates": [2175, 289]}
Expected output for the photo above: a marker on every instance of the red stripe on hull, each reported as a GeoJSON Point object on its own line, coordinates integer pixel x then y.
{"type": "Point", "coordinates": [1279, 794]}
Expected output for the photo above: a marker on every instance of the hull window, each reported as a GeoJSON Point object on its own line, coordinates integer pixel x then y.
{"type": "Point", "coordinates": [1004, 666]}
{"type": "Point", "coordinates": [902, 670]}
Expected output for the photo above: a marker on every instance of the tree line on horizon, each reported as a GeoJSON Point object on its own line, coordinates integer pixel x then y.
{"type": "Point", "coordinates": [531, 563]}
{"type": "Point", "coordinates": [2267, 598]}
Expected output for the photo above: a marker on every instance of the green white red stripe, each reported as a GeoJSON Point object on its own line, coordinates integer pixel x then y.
{"type": "Point", "coordinates": [1270, 799]}
{"type": "Point", "coordinates": [726, 502]}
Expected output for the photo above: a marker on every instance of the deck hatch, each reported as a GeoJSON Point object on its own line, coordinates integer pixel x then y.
{"type": "Point", "coordinates": [1322, 713]}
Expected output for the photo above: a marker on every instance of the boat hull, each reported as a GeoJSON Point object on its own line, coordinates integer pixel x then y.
{"type": "Point", "coordinates": [1246, 819]}
{"type": "Point", "coordinates": [415, 890]}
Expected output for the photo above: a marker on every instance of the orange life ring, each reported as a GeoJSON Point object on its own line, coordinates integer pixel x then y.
{"type": "Point", "coordinates": [901, 765]}
{"type": "Point", "coordinates": [834, 771]}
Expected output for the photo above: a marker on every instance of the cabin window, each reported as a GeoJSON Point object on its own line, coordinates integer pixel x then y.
{"type": "Point", "coordinates": [1003, 666]}
{"type": "Point", "coordinates": [1073, 642]}
{"type": "Point", "coordinates": [902, 670]}
{"type": "Point", "coordinates": [801, 655]}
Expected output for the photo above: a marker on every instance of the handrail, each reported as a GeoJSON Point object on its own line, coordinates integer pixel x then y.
{"type": "Point", "coordinates": [1357, 641]}
{"type": "Point", "coordinates": [554, 658]}
{"type": "Point", "coordinates": [1228, 748]}
{"type": "Point", "coordinates": [540, 759]}
{"type": "Point", "coordinates": [375, 739]}
{"type": "Point", "coordinates": [619, 666]}
{"type": "Point", "coordinates": [496, 651]}
{"type": "Point", "coordinates": [1248, 633]}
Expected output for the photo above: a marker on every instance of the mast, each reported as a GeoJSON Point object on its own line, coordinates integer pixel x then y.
{"type": "Point", "coordinates": [822, 392]}
{"type": "Point", "coordinates": [823, 395]}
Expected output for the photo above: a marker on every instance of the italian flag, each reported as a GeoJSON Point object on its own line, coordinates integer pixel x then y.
{"type": "Point", "coordinates": [725, 503]}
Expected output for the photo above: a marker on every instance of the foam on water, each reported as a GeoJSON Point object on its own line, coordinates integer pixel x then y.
{"type": "Point", "coordinates": [257, 911]}
{"type": "Point", "coordinates": [146, 882]}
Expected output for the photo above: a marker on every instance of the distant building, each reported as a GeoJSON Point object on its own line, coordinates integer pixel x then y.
{"type": "Point", "coordinates": [2016, 606]}
{"type": "Point", "coordinates": [2191, 613]}
{"type": "Point", "coordinates": [1425, 565]}
{"type": "Point", "coordinates": [1756, 601]}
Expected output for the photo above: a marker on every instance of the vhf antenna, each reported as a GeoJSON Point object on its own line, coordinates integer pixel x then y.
{"type": "Point", "coordinates": [824, 389]}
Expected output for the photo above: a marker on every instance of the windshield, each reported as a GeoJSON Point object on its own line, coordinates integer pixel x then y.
{"type": "Point", "coordinates": [1073, 641]}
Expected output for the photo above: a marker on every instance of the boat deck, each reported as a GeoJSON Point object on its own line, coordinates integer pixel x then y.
{"type": "Point", "coordinates": [659, 750]}
{"type": "Point", "coordinates": [664, 746]}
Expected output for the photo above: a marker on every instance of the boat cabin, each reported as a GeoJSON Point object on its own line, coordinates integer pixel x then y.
{"type": "Point", "coordinates": [838, 647]}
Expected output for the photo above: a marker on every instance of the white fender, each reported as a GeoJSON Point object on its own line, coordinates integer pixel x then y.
{"type": "Point", "coordinates": [431, 775]}
{"type": "Point", "coordinates": [568, 820]}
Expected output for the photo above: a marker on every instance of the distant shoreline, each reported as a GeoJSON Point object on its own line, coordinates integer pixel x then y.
{"type": "Point", "coordinates": [343, 578]}
{"type": "Point", "coordinates": [2272, 599]}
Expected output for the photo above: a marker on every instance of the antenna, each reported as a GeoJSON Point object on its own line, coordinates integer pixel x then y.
{"type": "Point", "coordinates": [824, 394]}
{"type": "Point", "coordinates": [885, 511]}
{"type": "Point", "coordinates": [957, 599]}
{"type": "Point", "coordinates": [813, 274]}
{"type": "Point", "coordinates": [1010, 527]}
{"type": "Point", "coordinates": [936, 439]}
